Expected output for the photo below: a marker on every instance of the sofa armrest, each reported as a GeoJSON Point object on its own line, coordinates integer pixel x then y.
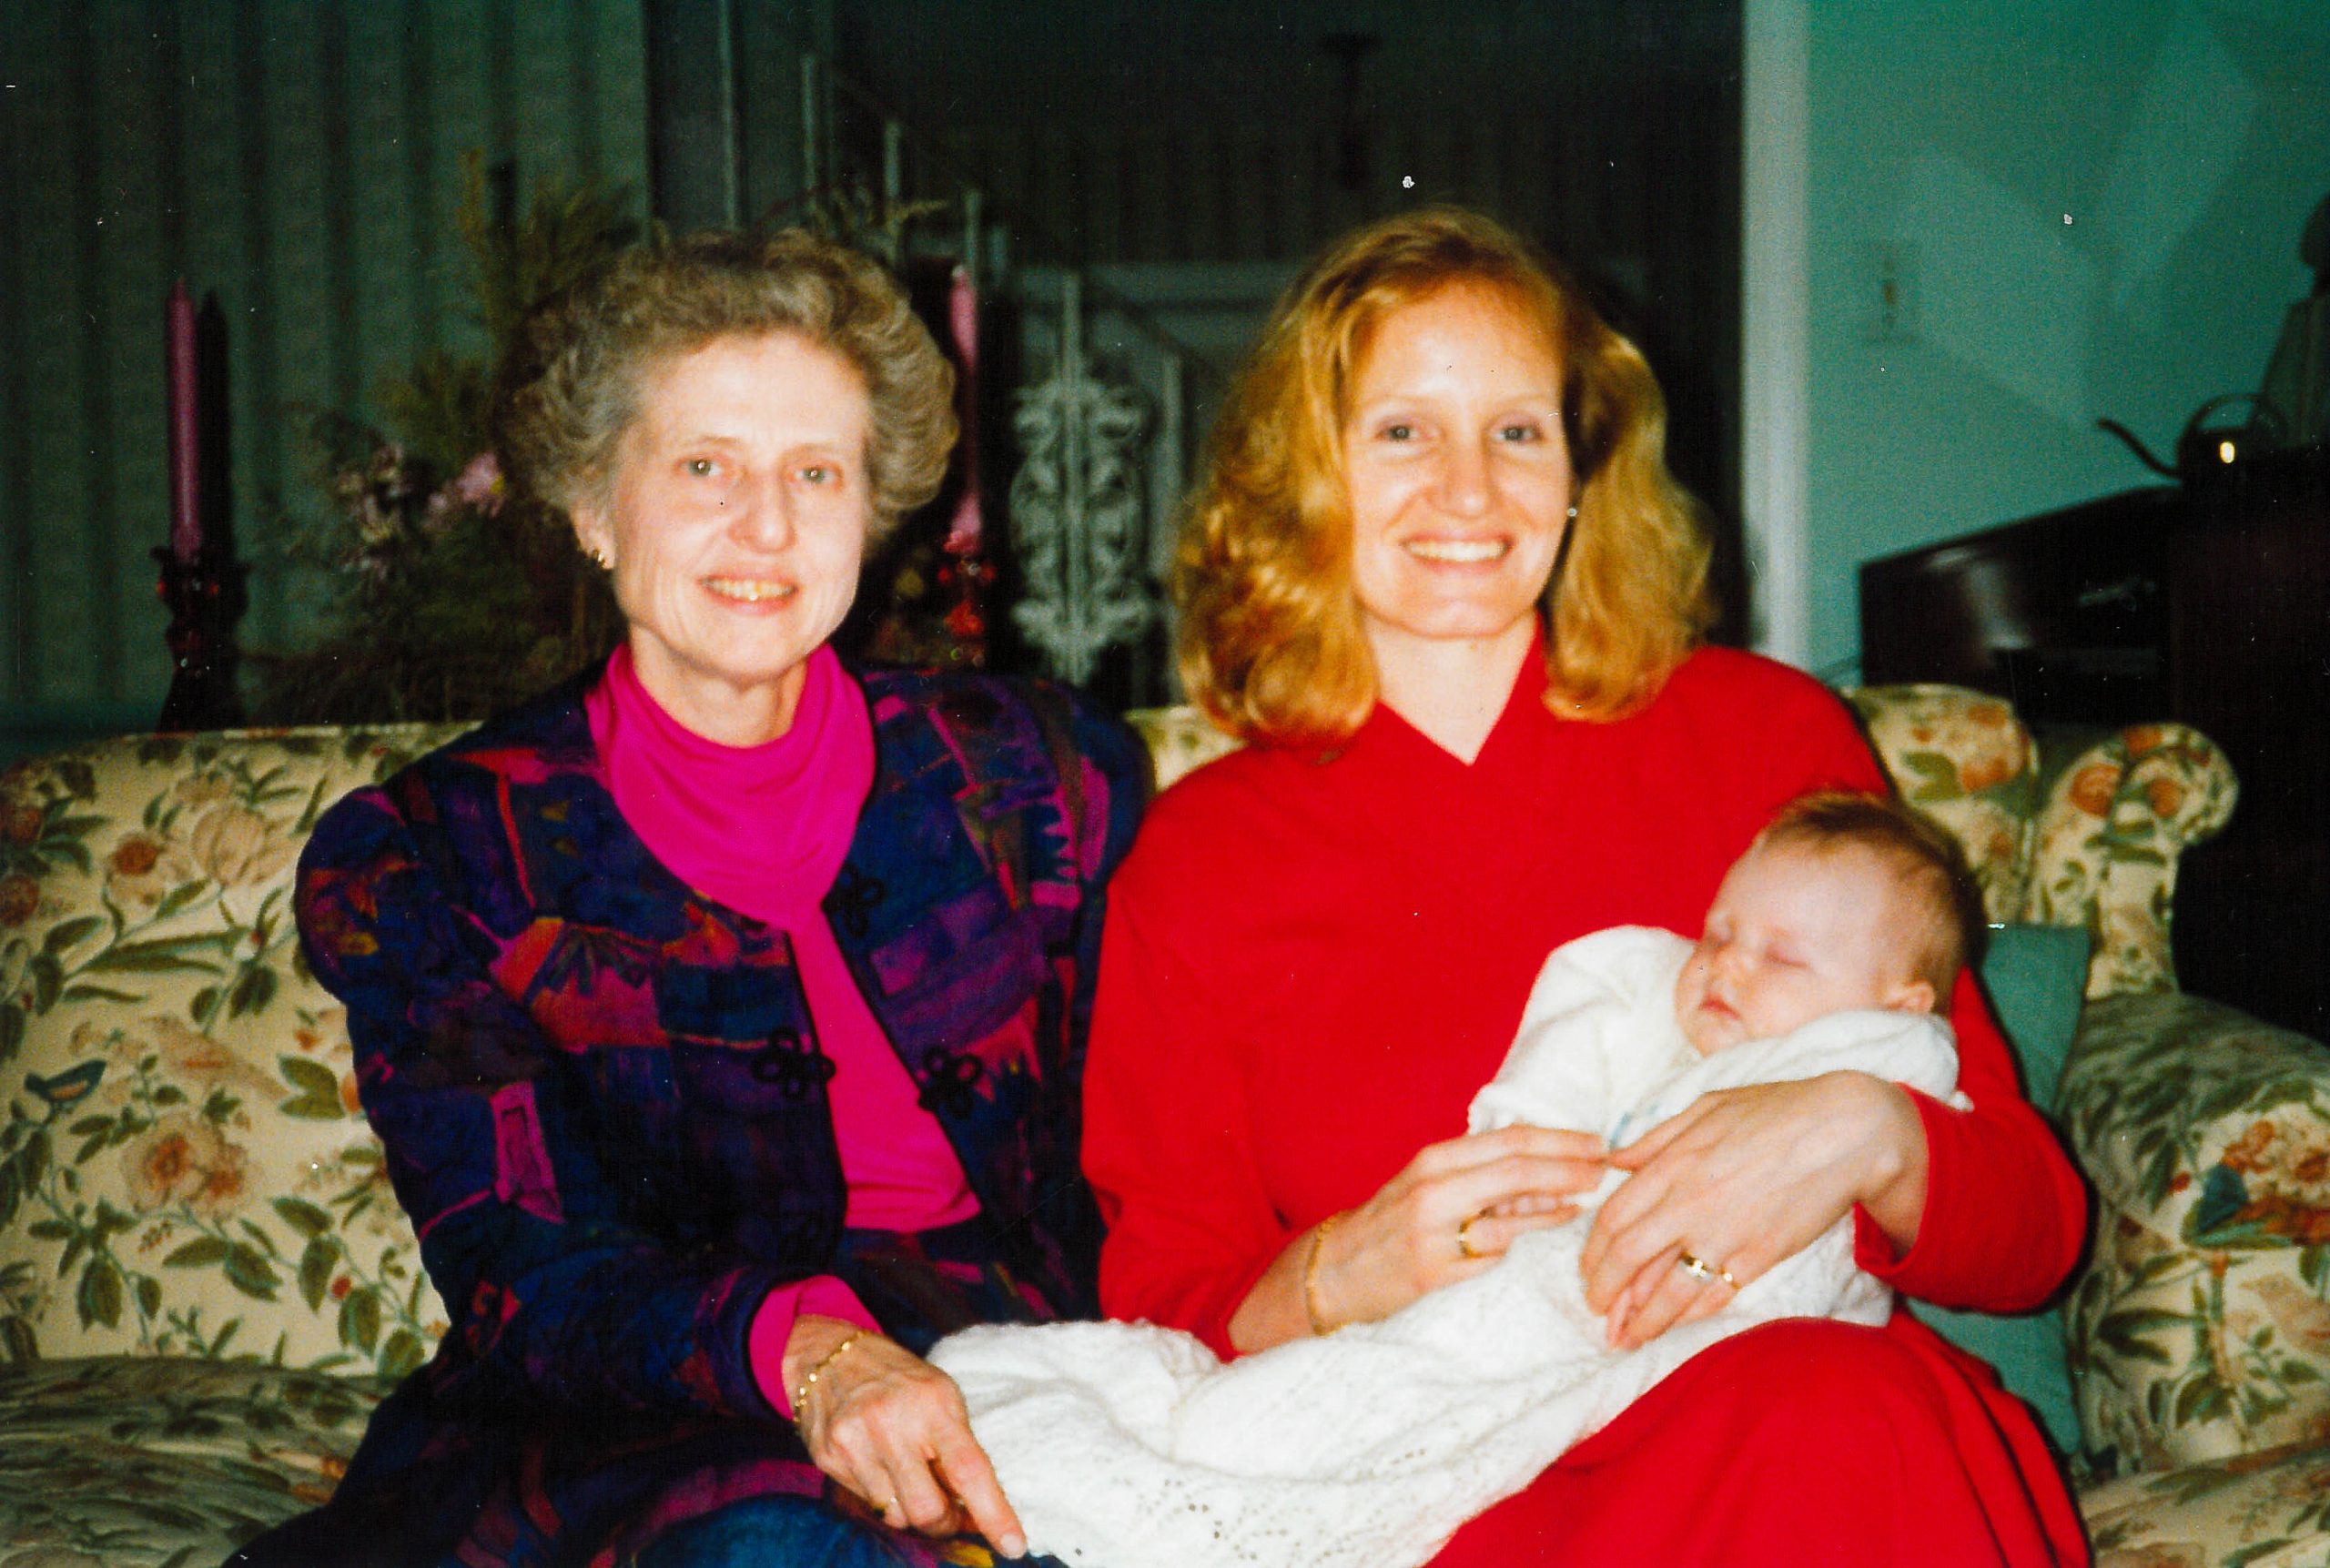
{"type": "Point", "coordinates": [2109, 835]}
{"type": "Point", "coordinates": [2201, 1328]}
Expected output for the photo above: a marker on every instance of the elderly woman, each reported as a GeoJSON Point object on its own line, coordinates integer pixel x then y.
{"type": "Point", "coordinates": [1439, 576]}
{"type": "Point", "coordinates": [721, 1011]}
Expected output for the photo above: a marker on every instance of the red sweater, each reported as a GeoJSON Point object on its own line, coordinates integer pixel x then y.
{"type": "Point", "coordinates": [1312, 965]}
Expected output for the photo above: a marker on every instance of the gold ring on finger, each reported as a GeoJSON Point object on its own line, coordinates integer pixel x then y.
{"type": "Point", "coordinates": [1465, 1247]}
{"type": "Point", "coordinates": [1702, 1271]}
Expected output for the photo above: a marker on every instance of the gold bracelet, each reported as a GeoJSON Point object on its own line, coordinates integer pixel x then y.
{"type": "Point", "coordinates": [1320, 1327]}
{"type": "Point", "coordinates": [801, 1394]}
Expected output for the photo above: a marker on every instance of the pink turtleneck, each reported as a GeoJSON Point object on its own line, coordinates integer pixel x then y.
{"type": "Point", "coordinates": [764, 829]}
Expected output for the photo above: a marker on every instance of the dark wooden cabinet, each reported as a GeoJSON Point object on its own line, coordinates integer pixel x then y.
{"type": "Point", "coordinates": [2207, 603]}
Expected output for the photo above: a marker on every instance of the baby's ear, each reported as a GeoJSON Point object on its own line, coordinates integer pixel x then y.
{"type": "Point", "coordinates": [1910, 997]}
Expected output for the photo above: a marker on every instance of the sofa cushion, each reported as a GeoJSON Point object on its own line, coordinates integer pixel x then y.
{"type": "Point", "coordinates": [2201, 1328]}
{"type": "Point", "coordinates": [136, 1462]}
{"type": "Point", "coordinates": [2269, 1509]}
{"type": "Point", "coordinates": [182, 1169]}
{"type": "Point", "coordinates": [2036, 978]}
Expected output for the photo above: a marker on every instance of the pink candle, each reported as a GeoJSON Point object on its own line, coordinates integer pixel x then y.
{"type": "Point", "coordinates": [185, 440]}
{"type": "Point", "coordinates": [962, 327]}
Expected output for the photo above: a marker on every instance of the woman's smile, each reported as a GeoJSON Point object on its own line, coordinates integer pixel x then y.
{"type": "Point", "coordinates": [750, 591]}
{"type": "Point", "coordinates": [1459, 551]}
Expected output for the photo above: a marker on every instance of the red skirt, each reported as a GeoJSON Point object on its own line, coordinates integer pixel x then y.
{"type": "Point", "coordinates": [1794, 1445]}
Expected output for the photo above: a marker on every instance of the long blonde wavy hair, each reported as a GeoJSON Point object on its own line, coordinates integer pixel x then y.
{"type": "Point", "coordinates": [1272, 644]}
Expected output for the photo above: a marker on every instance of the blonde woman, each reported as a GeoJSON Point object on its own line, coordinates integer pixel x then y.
{"type": "Point", "coordinates": [1440, 578]}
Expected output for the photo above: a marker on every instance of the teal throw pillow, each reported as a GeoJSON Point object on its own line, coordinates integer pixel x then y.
{"type": "Point", "coordinates": [2036, 978]}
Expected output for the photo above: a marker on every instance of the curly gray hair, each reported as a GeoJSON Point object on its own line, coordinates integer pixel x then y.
{"type": "Point", "coordinates": [570, 387]}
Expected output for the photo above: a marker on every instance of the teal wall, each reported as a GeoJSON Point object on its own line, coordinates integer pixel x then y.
{"type": "Point", "coordinates": [2095, 208]}
{"type": "Point", "coordinates": [301, 159]}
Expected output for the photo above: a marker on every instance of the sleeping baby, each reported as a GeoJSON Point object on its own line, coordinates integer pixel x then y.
{"type": "Point", "coordinates": [1832, 944]}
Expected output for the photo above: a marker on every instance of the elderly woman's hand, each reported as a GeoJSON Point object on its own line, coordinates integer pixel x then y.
{"type": "Point", "coordinates": [892, 1428]}
{"type": "Point", "coordinates": [1449, 1214]}
{"type": "Point", "coordinates": [1743, 1180]}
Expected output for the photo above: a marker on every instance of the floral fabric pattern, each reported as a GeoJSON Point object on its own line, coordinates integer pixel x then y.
{"type": "Point", "coordinates": [183, 1170]}
{"type": "Point", "coordinates": [1966, 761]}
{"type": "Point", "coordinates": [2115, 822]}
{"type": "Point", "coordinates": [137, 1462]}
{"type": "Point", "coordinates": [2090, 841]}
{"type": "Point", "coordinates": [2267, 1509]}
{"type": "Point", "coordinates": [1180, 740]}
{"type": "Point", "coordinates": [2201, 1329]}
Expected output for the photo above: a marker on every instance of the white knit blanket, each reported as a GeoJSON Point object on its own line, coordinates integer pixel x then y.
{"type": "Point", "coordinates": [1125, 1445]}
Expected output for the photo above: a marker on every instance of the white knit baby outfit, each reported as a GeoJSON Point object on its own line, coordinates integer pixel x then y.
{"type": "Point", "coordinates": [1125, 1445]}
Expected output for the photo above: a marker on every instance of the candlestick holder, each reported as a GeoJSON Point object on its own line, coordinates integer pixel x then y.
{"type": "Point", "coordinates": [206, 599]}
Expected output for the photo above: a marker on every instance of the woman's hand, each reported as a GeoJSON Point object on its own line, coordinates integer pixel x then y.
{"type": "Point", "coordinates": [1743, 1180]}
{"type": "Point", "coordinates": [1450, 1214]}
{"type": "Point", "coordinates": [892, 1428]}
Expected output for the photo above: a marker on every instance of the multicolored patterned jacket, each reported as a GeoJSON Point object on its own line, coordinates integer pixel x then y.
{"type": "Point", "coordinates": [603, 1096]}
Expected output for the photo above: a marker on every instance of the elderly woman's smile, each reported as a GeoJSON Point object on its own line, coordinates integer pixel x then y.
{"type": "Point", "coordinates": [750, 591]}
{"type": "Point", "coordinates": [735, 524]}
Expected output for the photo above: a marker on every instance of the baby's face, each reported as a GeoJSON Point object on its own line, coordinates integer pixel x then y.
{"type": "Point", "coordinates": [1793, 935]}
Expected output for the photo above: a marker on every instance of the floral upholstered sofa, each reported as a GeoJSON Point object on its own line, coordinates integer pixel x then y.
{"type": "Point", "coordinates": [206, 1285]}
